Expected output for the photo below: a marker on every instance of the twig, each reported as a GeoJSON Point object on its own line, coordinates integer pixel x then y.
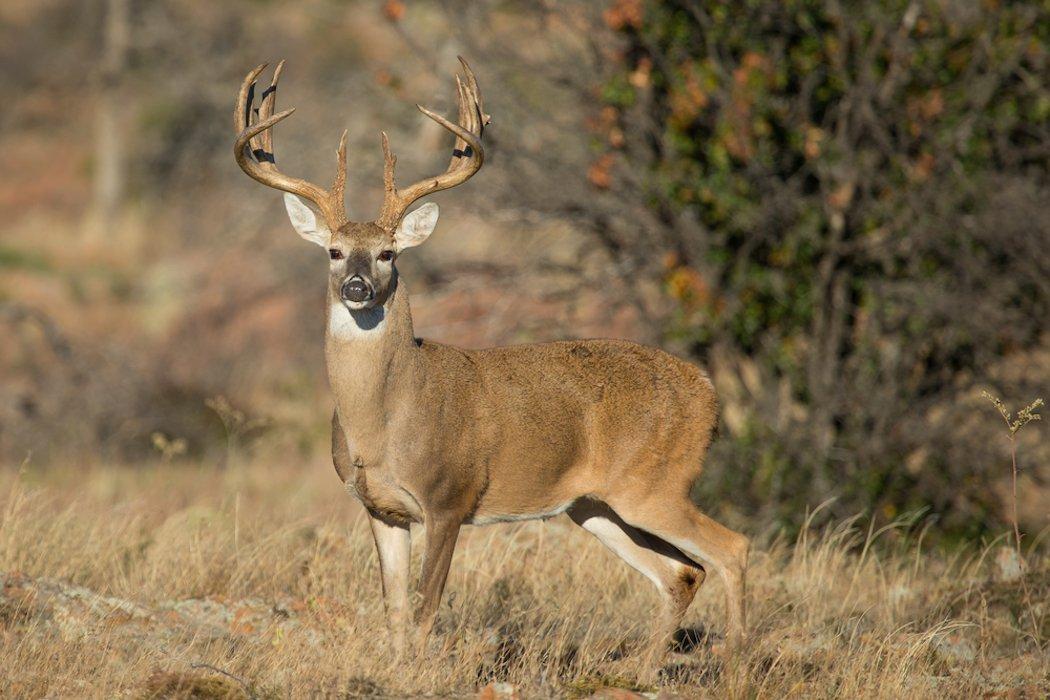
{"type": "Point", "coordinates": [243, 684]}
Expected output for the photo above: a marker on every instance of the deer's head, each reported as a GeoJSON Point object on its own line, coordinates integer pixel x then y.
{"type": "Point", "coordinates": [362, 271]}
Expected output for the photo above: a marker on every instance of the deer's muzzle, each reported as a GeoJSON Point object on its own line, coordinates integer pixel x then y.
{"type": "Point", "coordinates": [356, 290]}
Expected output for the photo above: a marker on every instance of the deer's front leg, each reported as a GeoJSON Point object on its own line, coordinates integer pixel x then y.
{"type": "Point", "coordinates": [394, 545]}
{"type": "Point", "coordinates": [441, 534]}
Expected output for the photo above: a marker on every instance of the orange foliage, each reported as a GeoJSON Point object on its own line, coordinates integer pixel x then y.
{"type": "Point", "coordinates": [685, 284]}
{"type": "Point", "coordinates": [600, 172]}
{"type": "Point", "coordinates": [814, 137]}
{"type": "Point", "coordinates": [923, 167]}
{"type": "Point", "coordinates": [691, 99]}
{"type": "Point", "coordinates": [394, 10]}
{"type": "Point", "coordinates": [639, 77]}
{"type": "Point", "coordinates": [739, 141]}
{"type": "Point", "coordinates": [841, 196]}
{"type": "Point", "coordinates": [607, 124]}
{"type": "Point", "coordinates": [623, 14]}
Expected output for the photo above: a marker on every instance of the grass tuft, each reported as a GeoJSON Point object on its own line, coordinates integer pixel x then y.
{"type": "Point", "coordinates": [261, 581]}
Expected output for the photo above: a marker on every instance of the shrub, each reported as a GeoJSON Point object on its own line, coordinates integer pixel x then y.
{"type": "Point", "coordinates": [852, 200]}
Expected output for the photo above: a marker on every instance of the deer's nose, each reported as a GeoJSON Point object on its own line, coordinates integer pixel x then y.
{"type": "Point", "coordinates": [356, 289]}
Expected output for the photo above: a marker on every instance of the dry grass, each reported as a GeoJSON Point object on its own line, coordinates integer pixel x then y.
{"type": "Point", "coordinates": [261, 581]}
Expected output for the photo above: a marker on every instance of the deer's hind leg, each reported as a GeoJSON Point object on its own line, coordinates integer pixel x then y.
{"type": "Point", "coordinates": [676, 577]}
{"type": "Point", "coordinates": [676, 520]}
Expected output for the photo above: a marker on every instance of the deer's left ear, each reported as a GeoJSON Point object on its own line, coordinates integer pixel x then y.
{"type": "Point", "coordinates": [417, 226]}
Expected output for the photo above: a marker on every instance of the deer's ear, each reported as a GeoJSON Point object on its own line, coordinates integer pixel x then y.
{"type": "Point", "coordinates": [305, 221]}
{"type": "Point", "coordinates": [417, 226]}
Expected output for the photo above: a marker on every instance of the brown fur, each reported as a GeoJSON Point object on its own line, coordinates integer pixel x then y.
{"type": "Point", "coordinates": [446, 436]}
{"type": "Point", "coordinates": [610, 432]}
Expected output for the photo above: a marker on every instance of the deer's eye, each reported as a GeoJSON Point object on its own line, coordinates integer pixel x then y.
{"type": "Point", "coordinates": [386, 256]}
{"type": "Point", "coordinates": [335, 254]}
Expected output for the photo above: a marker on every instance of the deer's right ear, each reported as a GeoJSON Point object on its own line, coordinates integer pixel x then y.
{"type": "Point", "coordinates": [305, 221]}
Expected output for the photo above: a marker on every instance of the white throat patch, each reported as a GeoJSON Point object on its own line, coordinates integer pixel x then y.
{"type": "Point", "coordinates": [367, 324]}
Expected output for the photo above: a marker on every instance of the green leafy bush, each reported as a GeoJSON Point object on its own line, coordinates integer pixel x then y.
{"type": "Point", "coordinates": [855, 195]}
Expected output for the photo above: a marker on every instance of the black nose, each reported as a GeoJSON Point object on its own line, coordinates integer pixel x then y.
{"type": "Point", "coordinates": [356, 289]}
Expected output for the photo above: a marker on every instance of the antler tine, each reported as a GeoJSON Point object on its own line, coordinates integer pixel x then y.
{"type": "Point", "coordinates": [245, 98]}
{"type": "Point", "coordinates": [467, 119]}
{"type": "Point", "coordinates": [472, 83]}
{"type": "Point", "coordinates": [264, 141]}
{"type": "Point", "coordinates": [253, 149]}
{"type": "Point", "coordinates": [339, 186]}
{"type": "Point", "coordinates": [467, 155]}
{"type": "Point", "coordinates": [389, 161]}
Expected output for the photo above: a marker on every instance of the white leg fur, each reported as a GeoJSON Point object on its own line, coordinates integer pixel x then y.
{"type": "Point", "coordinates": [612, 536]}
{"type": "Point", "coordinates": [625, 542]}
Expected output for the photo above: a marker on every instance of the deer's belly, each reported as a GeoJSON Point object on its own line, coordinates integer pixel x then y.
{"type": "Point", "coordinates": [511, 516]}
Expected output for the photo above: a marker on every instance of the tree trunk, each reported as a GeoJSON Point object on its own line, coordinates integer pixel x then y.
{"type": "Point", "coordinates": [110, 175]}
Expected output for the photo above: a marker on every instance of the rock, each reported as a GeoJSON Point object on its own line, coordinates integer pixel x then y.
{"type": "Point", "coordinates": [498, 691]}
{"type": "Point", "coordinates": [955, 648]}
{"type": "Point", "coordinates": [900, 594]}
{"type": "Point", "coordinates": [73, 611]}
{"type": "Point", "coordinates": [616, 694]}
{"type": "Point", "coordinates": [1009, 567]}
{"type": "Point", "coordinates": [43, 605]}
{"type": "Point", "coordinates": [805, 646]}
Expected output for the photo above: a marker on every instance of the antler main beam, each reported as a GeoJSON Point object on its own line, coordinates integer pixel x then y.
{"type": "Point", "coordinates": [253, 149]}
{"type": "Point", "coordinates": [467, 154]}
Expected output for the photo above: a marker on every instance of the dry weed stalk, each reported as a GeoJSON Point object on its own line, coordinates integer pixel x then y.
{"type": "Point", "coordinates": [1014, 424]}
{"type": "Point", "coordinates": [236, 423]}
{"type": "Point", "coordinates": [169, 448]}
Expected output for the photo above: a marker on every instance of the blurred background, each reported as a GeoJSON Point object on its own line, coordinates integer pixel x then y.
{"type": "Point", "coordinates": [839, 209]}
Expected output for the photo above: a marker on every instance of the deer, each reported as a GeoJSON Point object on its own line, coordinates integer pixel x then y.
{"type": "Point", "coordinates": [609, 432]}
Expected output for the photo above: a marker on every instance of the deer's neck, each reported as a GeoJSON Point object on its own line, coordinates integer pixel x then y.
{"type": "Point", "coordinates": [373, 360]}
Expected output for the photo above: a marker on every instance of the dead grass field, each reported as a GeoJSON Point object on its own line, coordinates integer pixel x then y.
{"type": "Point", "coordinates": [179, 581]}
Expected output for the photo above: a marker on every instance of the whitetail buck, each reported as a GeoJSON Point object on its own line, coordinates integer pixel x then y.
{"type": "Point", "coordinates": [609, 432]}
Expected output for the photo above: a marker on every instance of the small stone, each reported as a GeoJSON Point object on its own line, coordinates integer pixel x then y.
{"type": "Point", "coordinates": [615, 694]}
{"type": "Point", "coordinates": [498, 691]}
{"type": "Point", "coordinates": [1009, 566]}
{"type": "Point", "coordinates": [955, 648]}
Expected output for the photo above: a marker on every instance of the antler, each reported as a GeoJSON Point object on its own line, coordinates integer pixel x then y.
{"type": "Point", "coordinates": [467, 155]}
{"type": "Point", "coordinates": [253, 149]}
